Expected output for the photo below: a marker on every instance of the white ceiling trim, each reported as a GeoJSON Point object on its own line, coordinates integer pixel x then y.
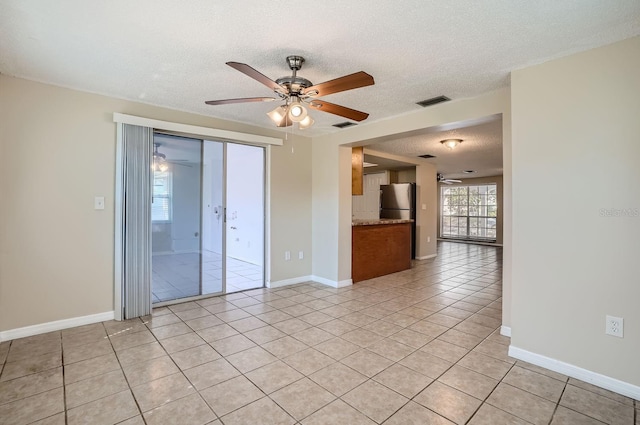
{"type": "Point", "coordinates": [218, 134]}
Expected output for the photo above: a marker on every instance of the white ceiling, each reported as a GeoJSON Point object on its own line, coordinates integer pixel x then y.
{"type": "Point", "coordinates": [173, 54]}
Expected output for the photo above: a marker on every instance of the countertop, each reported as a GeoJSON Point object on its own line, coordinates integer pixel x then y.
{"type": "Point", "coordinates": [376, 221]}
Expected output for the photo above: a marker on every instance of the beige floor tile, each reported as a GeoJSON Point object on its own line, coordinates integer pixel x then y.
{"type": "Point", "coordinates": [291, 326]}
{"type": "Point", "coordinates": [535, 383]}
{"type": "Point", "coordinates": [86, 351]}
{"type": "Point", "coordinates": [462, 339]}
{"type": "Point", "coordinates": [445, 350]}
{"type": "Point", "coordinates": [142, 372]}
{"type": "Point", "coordinates": [444, 320]}
{"type": "Point", "coordinates": [542, 371]}
{"type": "Point", "coordinates": [203, 322]}
{"type": "Point", "coordinates": [383, 328]}
{"type": "Point", "coordinates": [600, 391]}
{"type": "Point", "coordinates": [337, 348]}
{"type": "Point", "coordinates": [191, 410]}
{"type": "Point", "coordinates": [230, 395]}
{"type": "Point", "coordinates": [522, 404]}
{"type": "Point", "coordinates": [104, 411]}
{"type": "Point", "coordinates": [275, 316]}
{"type": "Point", "coordinates": [31, 365]}
{"type": "Point", "coordinates": [448, 402]}
{"type": "Point", "coordinates": [260, 412]}
{"type": "Point", "coordinates": [361, 337]}
{"type": "Point", "coordinates": [181, 342]}
{"type": "Point", "coordinates": [375, 400]}
{"type": "Point", "coordinates": [193, 313]}
{"type": "Point", "coordinates": [33, 348]}
{"type": "Point", "coordinates": [29, 385]}
{"type": "Point", "coordinates": [338, 378]}
{"type": "Point", "coordinates": [164, 320]}
{"type": "Point", "coordinates": [273, 376]}
{"type": "Point", "coordinates": [57, 419]}
{"type": "Point", "coordinates": [485, 365]}
{"type": "Point", "coordinates": [140, 353]}
{"type": "Point", "coordinates": [468, 381]}
{"type": "Point", "coordinates": [251, 359]}
{"type": "Point", "coordinates": [231, 345]}
{"type": "Point", "coordinates": [212, 373]}
{"type": "Point", "coordinates": [316, 318]}
{"type": "Point", "coordinates": [125, 326]}
{"type": "Point", "coordinates": [489, 415]}
{"type": "Point", "coordinates": [195, 356]}
{"type": "Point", "coordinates": [91, 335]}
{"type": "Point", "coordinates": [430, 329]}
{"type": "Point", "coordinates": [495, 350]}
{"type": "Point", "coordinates": [414, 414]}
{"type": "Point", "coordinates": [337, 327]}
{"type": "Point", "coordinates": [403, 380]}
{"type": "Point", "coordinates": [400, 319]}
{"type": "Point", "coordinates": [136, 420]}
{"type": "Point", "coordinates": [164, 332]}
{"type": "Point", "coordinates": [367, 362]}
{"type": "Point", "coordinates": [283, 347]}
{"type": "Point", "coordinates": [91, 389]}
{"type": "Point", "coordinates": [124, 341]}
{"type": "Point", "coordinates": [247, 324]}
{"type": "Point", "coordinates": [297, 310]}
{"type": "Point", "coordinates": [308, 361]}
{"type": "Point", "coordinates": [596, 406]}
{"type": "Point", "coordinates": [161, 391]}
{"type": "Point", "coordinates": [217, 332]}
{"type": "Point", "coordinates": [338, 412]}
{"type": "Point", "coordinates": [312, 336]}
{"type": "Point", "coordinates": [91, 367]}
{"type": "Point", "coordinates": [302, 398]}
{"type": "Point", "coordinates": [232, 315]}
{"type": "Point", "coordinates": [31, 409]}
{"type": "Point", "coordinates": [411, 338]}
{"type": "Point", "coordinates": [391, 349]}
{"type": "Point", "coordinates": [426, 364]}
{"type": "Point", "coordinates": [264, 334]}
{"type": "Point", "coordinates": [564, 416]}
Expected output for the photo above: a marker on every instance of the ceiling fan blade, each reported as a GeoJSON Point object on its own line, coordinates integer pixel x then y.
{"type": "Point", "coordinates": [348, 82]}
{"type": "Point", "coordinates": [259, 77]}
{"type": "Point", "coordinates": [240, 100]}
{"type": "Point", "coordinates": [343, 111]}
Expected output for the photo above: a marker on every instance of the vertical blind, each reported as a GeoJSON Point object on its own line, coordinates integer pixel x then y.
{"type": "Point", "coordinates": [137, 180]}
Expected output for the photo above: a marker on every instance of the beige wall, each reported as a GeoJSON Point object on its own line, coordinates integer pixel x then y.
{"type": "Point", "coordinates": [57, 151]}
{"type": "Point", "coordinates": [481, 180]}
{"type": "Point", "coordinates": [575, 158]}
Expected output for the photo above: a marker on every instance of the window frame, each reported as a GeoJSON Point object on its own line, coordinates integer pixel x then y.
{"type": "Point", "coordinates": [464, 220]}
{"type": "Point", "coordinates": [168, 196]}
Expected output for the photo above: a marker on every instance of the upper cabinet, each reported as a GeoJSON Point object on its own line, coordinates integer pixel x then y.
{"type": "Point", "coordinates": [357, 170]}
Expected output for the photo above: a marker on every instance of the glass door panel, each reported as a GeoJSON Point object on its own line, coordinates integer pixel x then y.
{"type": "Point", "coordinates": [213, 217]}
{"type": "Point", "coordinates": [245, 217]}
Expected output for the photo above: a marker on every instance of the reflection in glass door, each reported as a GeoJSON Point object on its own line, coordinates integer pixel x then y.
{"type": "Point", "coordinates": [207, 218]}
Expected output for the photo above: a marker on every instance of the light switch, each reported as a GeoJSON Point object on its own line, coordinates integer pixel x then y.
{"type": "Point", "coordinates": [424, 206]}
{"type": "Point", "coordinates": [98, 203]}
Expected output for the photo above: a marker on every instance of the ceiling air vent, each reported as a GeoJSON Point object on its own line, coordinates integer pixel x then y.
{"type": "Point", "coordinates": [426, 156]}
{"type": "Point", "coordinates": [344, 124]}
{"type": "Point", "coordinates": [433, 101]}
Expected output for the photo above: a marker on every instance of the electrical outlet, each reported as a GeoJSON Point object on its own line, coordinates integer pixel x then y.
{"type": "Point", "coordinates": [615, 326]}
{"type": "Point", "coordinates": [300, 255]}
{"type": "Point", "coordinates": [287, 255]}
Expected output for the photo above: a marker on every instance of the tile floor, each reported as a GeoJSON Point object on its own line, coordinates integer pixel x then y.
{"type": "Point", "coordinates": [416, 347]}
{"type": "Point", "coordinates": [177, 276]}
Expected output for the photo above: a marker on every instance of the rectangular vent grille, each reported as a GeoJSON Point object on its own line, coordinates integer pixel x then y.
{"type": "Point", "coordinates": [426, 156]}
{"type": "Point", "coordinates": [433, 101]}
{"type": "Point", "coordinates": [344, 124]}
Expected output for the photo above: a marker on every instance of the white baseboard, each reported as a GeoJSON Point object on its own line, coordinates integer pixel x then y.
{"type": "Point", "coordinates": [426, 257]}
{"type": "Point", "coordinates": [332, 283]}
{"type": "Point", "coordinates": [287, 282]}
{"type": "Point", "coordinates": [585, 375]}
{"type": "Point", "coordinates": [55, 326]}
{"type": "Point", "coordinates": [505, 331]}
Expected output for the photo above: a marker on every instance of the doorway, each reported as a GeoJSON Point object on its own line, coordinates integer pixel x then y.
{"type": "Point", "coordinates": [208, 210]}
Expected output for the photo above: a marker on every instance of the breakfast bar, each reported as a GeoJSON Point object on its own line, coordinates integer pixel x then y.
{"type": "Point", "coordinates": [379, 247]}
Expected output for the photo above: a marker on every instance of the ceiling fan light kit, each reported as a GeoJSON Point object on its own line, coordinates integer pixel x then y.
{"type": "Point", "coordinates": [299, 94]}
{"type": "Point", "coordinates": [159, 160]}
{"type": "Point", "coordinates": [451, 143]}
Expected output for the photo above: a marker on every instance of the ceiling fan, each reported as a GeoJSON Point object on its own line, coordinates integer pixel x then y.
{"type": "Point", "coordinates": [298, 92]}
{"type": "Point", "coordinates": [441, 179]}
{"type": "Point", "coordinates": [160, 162]}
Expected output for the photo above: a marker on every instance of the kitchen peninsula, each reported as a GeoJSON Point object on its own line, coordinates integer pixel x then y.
{"type": "Point", "coordinates": [379, 247]}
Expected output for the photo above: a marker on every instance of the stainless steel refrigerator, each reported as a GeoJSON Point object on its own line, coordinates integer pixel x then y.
{"type": "Point", "coordinates": [398, 200]}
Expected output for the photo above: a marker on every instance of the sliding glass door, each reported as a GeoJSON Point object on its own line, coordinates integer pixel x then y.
{"type": "Point", "coordinates": [208, 218]}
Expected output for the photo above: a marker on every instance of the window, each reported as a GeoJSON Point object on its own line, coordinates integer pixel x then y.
{"type": "Point", "coordinates": [161, 200]}
{"type": "Point", "coordinates": [469, 212]}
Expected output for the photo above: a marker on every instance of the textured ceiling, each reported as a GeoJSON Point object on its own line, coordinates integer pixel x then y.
{"type": "Point", "coordinates": [173, 54]}
{"type": "Point", "coordinates": [480, 150]}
